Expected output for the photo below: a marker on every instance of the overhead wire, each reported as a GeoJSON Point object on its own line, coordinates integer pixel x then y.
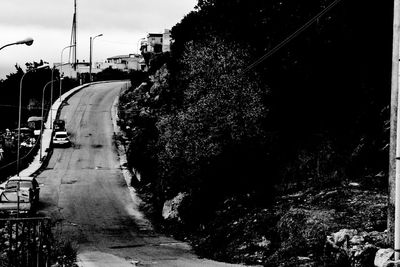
{"type": "Point", "coordinates": [290, 37]}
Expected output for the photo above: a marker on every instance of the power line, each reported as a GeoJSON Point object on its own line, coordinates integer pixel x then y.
{"type": "Point", "coordinates": [292, 36]}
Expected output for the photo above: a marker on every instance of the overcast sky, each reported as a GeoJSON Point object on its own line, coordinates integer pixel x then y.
{"type": "Point", "coordinates": [49, 23]}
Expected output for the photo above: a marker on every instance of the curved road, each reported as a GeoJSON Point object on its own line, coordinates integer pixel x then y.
{"type": "Point", "coordinates": [84, 189]}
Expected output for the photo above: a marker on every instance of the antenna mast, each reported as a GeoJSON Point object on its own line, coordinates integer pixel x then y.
{"type": "Point", "coordinates": [73, 39]}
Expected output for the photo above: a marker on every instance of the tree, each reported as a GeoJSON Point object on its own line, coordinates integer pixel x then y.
{"type": "Point", "coordinates": [111, 74]}
{"type": "Point", "coordinates": [221, 111]}
{"type": "Point", "coordinates": [331, 81]}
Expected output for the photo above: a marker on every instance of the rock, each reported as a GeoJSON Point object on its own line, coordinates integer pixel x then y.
{"type": "Point", "coordinates": [382, 256]}
{"type": "Point", "coordinates": [357, 240]}
{"type": "Point", "coordinates": [264, 243]}
{"type": "Point", "coordinates": [392, 264]}
{"type": "Point", "coordinates": [341, 239]}
{"type": "Point", "coordinates": [343, 236]}
{"type": "Point", "coordinates": [347, 243]}
{"type": "Point", "coordinates": [364, 255]}
{"type": "Point", "coordinates": [377, 238]}
{"type": "Point", "coordinates": [170, 209]}
{"type": "Point", "coordinates": [135, 262]}
{"type": "Point", "coordinates": [300, 258]}
{"type": "Point", "coordinates": [334, 254]}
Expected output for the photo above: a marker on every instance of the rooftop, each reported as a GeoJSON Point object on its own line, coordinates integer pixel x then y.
{"type": "Point", "coordinates": [26, 178]}
{"type": "Point", "coordinates": [155, 35]}
{"type": "Point", "coordinates": [117, 57]}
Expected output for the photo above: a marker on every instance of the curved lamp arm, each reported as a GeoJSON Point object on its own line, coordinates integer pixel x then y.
{"type": "Point", "coordinates": [28, 41]}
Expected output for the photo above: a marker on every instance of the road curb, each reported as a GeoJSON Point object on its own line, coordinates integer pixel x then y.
{"type": "Point", "coordinates": [143, 223]}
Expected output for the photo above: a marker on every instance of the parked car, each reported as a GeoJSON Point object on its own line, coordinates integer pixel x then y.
{"type": "Point", "coordinates": [26, 132]}
{"type": "Point", "coordinates": [61, 138]}
{"type": "Point", "coordinates": [27, 188]}
{"type": "Point", "coordinates": [35, 123]}
{"type": "Point", "coordinates": [59, 125]}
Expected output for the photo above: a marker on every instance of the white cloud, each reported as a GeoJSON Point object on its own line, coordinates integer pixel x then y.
{"type": "Point", "coordinates": [49, 22]}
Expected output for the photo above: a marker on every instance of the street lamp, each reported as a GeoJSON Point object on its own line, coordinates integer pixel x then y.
{"type": "Point", "coordinates": [61, 64]}
{"type": "Point", "coordinates": [138, 44]}
{"type": "Point", "coordinates": [19, 112]}
{"type": "Point", "coordinates": [52, 87]}
{"type": "Point", "coordinates": [41, 126]}
{"type": "Point", "coordinates": [28, 41]}
{"type": "Point", "coordinates": [51, 96]}
{"type": "Point", "coordinates": [90, 55]}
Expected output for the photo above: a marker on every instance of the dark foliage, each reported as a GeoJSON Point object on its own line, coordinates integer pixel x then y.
{"type": "Point", "coordinates": [330, 83]}
{"type": "Point", "coordinates": [111, 74]}
{"type": "Point", "coordinates": [31, 105]}
{"type": "Point", "coordinates": [312, 115]}
{"type": "Point", "coordinates": [32, 89]}
{"type": "Point", "coordinates": [138, 77]}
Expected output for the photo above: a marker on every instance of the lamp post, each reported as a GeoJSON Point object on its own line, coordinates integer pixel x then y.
{"type": "Point", "coordinates": [28, 41]}
{"type": "Point", "coordinates": [52, 88]}
{"type": "Point", "coordinates": [90, 55]}
{"type": "Point", "coordinates": [19, 112]}
{"type": "Point", "coordinates": [61, 64]}
{"type": "Point", "coordinates": [138, 44]}
{"type": "Point", "coordinates": [51, 98]}
{"type": "Point", "coordinates": [41, 126]}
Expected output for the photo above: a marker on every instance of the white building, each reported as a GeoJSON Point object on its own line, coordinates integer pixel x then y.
{"type": "Point", "coordinates": [121, 62]}
{"type": "Point", "coordinates": [124, 62]}
{"type": "Point", "coordinates": [68, 70]}
{"type": "Point", "coordinates": [166, 41]}
{"type": "Point", "coordinates": [154, 42]}
{"type": "Point", "coordinates": [157, 42]}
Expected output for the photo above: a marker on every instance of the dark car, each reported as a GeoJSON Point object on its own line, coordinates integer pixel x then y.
{"type": "Point", "coordinates": [59, 125]}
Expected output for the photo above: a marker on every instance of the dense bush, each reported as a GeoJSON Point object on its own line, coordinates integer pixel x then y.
{"type": "Point", "coordinates": [32, 89]}
{"type": "Point", "coordinates": [221, 111]}
{"type": "Point", "coordinates": [111, 74]}
{"type": "Point", "coordinates": [31, 99]}
{"type": "Point", "coordinates": [329, 88]}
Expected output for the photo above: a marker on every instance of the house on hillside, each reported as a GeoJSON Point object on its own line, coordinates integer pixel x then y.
{"type": "Point", "coordinates": [69, 71]}
{"type": "Point", "coordinates": [156, 42]}
{"type": "Point", "coordinates": [124, 62]}
{"type": "Point", "coordinates": [166, 41]}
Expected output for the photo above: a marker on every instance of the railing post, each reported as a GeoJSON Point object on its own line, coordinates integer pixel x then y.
{"type": "Point", "coordinates": [9, 224]}
{"type": "Point", "coordinates": [34, 236]}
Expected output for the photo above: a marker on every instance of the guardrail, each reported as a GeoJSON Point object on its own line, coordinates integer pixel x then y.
{"type": "Point", "coordinates": [25, 242]}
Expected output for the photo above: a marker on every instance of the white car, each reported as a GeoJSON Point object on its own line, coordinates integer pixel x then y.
{"type": "Point", "coordinates": [61, 138]}
{"type": "Point", "coordinates": [28, 187]}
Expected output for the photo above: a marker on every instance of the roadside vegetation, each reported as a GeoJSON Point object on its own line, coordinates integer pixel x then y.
{"type": "Point", "coordinates": [31, 93]}
{"type": "Point", "coordinates": [31, 105]}
{"type": "Point", "coordinates": [270, 161]}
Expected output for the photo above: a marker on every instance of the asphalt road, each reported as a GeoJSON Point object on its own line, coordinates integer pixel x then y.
{"type": "Point", "coordinates": [83, 188]}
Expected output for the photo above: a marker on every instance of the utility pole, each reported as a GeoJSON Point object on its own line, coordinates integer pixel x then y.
{"type": "Point", "coordinates": [73, 38]}
{"type": "Point", "coordinates": [75, 30]}
{"type": "Point", "coordinates": [394, 154]}
{"type": "Point", "coordinates": [90, 60]}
